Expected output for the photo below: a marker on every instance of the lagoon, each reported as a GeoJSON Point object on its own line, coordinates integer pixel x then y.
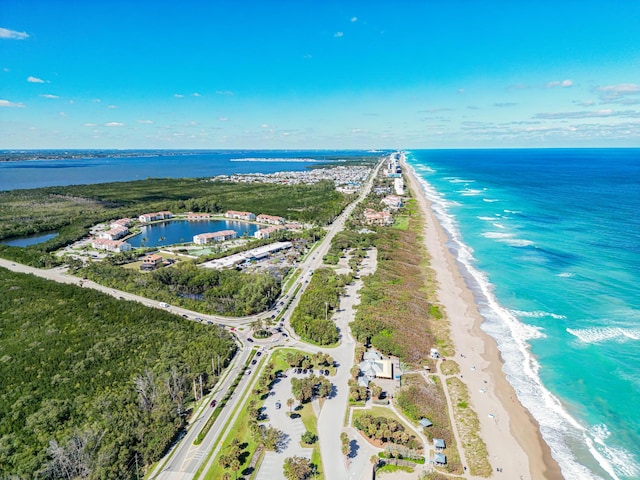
{"type": "Point", "coordinates": [29, 239]}
{"type": "Point", "coordinates": [182, 231]}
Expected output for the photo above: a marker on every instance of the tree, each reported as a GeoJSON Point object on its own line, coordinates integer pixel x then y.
{"type": "Point", "coordinates": [235, 466]}
{"type": "Point", "coordinates": [297, 468]}
{"type": "Point", "coordinates": [309, 438]}
{"type": "Point", "coordinates": [290, 402]}
{"type": "Point", "coordinates": [375, 460]}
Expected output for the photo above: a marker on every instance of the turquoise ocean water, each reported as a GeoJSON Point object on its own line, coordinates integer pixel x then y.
{"type": "Point", "coordinates": [549, 242]}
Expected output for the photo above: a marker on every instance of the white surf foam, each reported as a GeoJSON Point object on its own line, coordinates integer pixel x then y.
{"type": "Point", "coordinates": [487, 219]}
{"type": "Point", "coordinates": [490, 200]}
{"type": "Point", "coordinates": [565, 275]}
{"type": "Point", "coordinates": [460, 180]}
{"type": "Point", "coordinates": [497, 235]}
{"type": "Point", "coordinates": [605, 334]}
{"type": "Point", "coordinates": [537, 314]}
{"type": "Point", "coordinates": [520, 366]}
{"type": "Point", "coordinates": [470, 192]}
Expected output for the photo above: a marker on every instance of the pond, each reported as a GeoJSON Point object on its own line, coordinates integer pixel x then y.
{"type": "Point", "coordinates": [29, 239]}
{"type": "Point", "coordinates": [182, 231]}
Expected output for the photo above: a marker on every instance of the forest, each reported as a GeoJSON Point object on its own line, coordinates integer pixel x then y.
{"type": "Point", "coordinates": [218, 292]}
{"type": "Point", "coordinates": [90, 384]}
{"type": "Point", "coordinates": [311, 319]}
{"type": "Point", "coordinates": [72, 210]}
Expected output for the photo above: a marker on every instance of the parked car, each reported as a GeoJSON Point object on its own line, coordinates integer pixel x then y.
{"type": "Point", "coordinates": [278, 405]}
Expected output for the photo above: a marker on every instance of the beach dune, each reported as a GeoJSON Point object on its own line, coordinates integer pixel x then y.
{"type": "Point", "coordinates": [512, 436]}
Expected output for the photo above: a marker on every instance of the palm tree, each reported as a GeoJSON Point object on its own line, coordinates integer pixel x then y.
{"type": "Point", "coordinates": [374, 461]}
{"type": "Point", "coordinates": [290, 402]}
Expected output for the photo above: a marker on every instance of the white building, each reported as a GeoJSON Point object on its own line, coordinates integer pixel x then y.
{"type": "Point", "coordinates": [234, 214]}
{"type": "Point", "coordinates": [205, 238]}
{"type": "Point", "coordinates": [267, 232]}
{"type": "Point", "coordinates": [115, 246]}
{"type": "Point", "coordinates": [264, 218]}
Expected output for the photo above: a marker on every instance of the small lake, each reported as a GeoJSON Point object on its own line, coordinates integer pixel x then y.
{"type": "Point", "coordinates": [182, 231]}
{"type": "Point", "coordinates": [29, 239]}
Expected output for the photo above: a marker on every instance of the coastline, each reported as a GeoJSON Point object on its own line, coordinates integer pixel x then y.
{"type": "Point", "coordinates": [512, 435]}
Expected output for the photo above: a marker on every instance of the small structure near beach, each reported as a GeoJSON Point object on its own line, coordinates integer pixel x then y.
{"type": "Point", "coordinates": [425, 422]}
{"type": "Point", "coordinates": [439, 459]}
{"type": "Point", "coordinates": [439, 445]}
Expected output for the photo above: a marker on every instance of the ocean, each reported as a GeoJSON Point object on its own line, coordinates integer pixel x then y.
{"type": "Point", "coordinates": [549, 242]}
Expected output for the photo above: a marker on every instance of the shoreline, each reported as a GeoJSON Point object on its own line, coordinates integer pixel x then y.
{"type": "Point", "coordinates": [512, 435]}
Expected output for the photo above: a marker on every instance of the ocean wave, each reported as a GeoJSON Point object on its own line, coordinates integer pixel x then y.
{"type": "Point", "coordinates": [518, 242]}
{"type": "Point", "coordinates": [507, 238]}
{"type": "Point", "coordinates": [459, 180]}
{"type": "Point", "coordinates": [469, 192]}
{"type": "Point", "coordinates": [613, 460]}
{"type": "Point", "coordinates": [425, 168]}
{"type": "Point", "coordinates": [487, 219]}
{"type": "Point", "coordinates": [557, 426]}
{"type": "Point", "coordinates": [490, 200]}
{"type": "Point", "coordinates": [497, 235]}
{"type": "Point", "coordinates": [604, 334]}
{"type": "Point", "coordinates": [537, 314]}
{"type": "Point", "coordinates": [498, 225]}
{"type": "Point", "coordinates": [566, 275]}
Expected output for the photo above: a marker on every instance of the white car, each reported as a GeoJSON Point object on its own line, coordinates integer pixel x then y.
{"type": "Point", "coordinates": [164, 305]}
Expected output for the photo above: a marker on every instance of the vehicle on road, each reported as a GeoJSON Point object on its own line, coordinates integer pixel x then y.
{"type": "Point", "coordinates": [198, 319]}
{"type": "Point", "coordinates": [278, 405]}
{"type": "Point", "coordinates": [213, 403]}
{"type": "Point", "coordinates": [164, 304]}
{"type": "Point", "coordinates": [250, 339]}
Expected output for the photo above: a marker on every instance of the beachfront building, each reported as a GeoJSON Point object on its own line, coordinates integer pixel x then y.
{"type": "Point", "coordinates": [198, 216]}
{"type": "Point", "coordinates": [115, 246]}
{"type": "Point", "coordinates": [152, 217]}
{"type": "Point", "coordinates": [235, 215]}
{"type": "Point", "coordinates": [114, 233]}
{"type": "Point", "coordinates": [267, 232]}
{"type": "Point", "coordinates": [205, 238]}
{"type": "Point", "coordinates": [392, 201]}
{"type": "Point", "coordinates": [398, 186]}
{"type": "Point", "coordinates": [272, 219]}
{"type": "Point", "coordinates": [374, 366]}
{"type": "Point", "coordinates": [371, 217]}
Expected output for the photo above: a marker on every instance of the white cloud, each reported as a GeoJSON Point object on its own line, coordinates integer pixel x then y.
{"type": "Point", "coordinates": [354, 19]}
{"type": "Point", "coordinates": [196, 94]}
{"type": "Point", "coordinates": [223, 119]}
{"type": "Point", "coordinates": [34, 80]}
{"type": "Point", "coordinates": [112, 106]}
{"type": "Point", "coordinates": [461, 91]}
{"type": "Point", "coordinates": [96, 100]}
{"type": "Point", "coordinates": [7, 103]}
{"type": "Point", "coordinates": [178, 95]}
{"type": "Point", "coordinates": [338, 34]}
{"type": "Point", "coordinates": [89, 125]}
{"type": "Point", "coordinates": [62, 114]}
{"type": "Point", "coordinates": [605, 113]}
{"type": "Point", "coordinates": [586, 103]}
{"type": "Point", "coordinates": [48, 95]}
{"type": "Point", "coordinates": [224, 92]}
{"type": "Point", "coordinates": [563, 84]}
{"type": "Point", "coordinates": [619, 93]}
{"type": "Point", "coordinates": [264, 125]}
{"type": "Point", "coordinates": [12, 34]}
{"type": "Point", "coordinates": [114, 124]}
{"type": "Point", "coordinates": [145, 122]}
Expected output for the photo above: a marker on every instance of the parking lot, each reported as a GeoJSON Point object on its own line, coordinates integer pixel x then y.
{"type": "Point", "coordinates": [271, 468]}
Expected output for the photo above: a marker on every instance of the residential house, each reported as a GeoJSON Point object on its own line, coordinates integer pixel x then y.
{"type": "Point", "coordinates": [151, 262]}
{"type": "Point", "coordinates": [264, 218]}
{"type": "Point", "coordinates": [267, 232]}
{"type": "Point", "coordinates": [234, 214]}
{"type": "Point", "coordinates": [205, 238]}
{"type": "Point", "coordinates": [116, 246]}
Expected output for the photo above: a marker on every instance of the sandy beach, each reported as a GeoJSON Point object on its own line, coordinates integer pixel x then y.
{"type": "Point", "coordinates": [512, 436]}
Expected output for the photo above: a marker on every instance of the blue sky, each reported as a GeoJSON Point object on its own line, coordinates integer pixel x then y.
{"type": "Point", "coordinates": [319, 74]}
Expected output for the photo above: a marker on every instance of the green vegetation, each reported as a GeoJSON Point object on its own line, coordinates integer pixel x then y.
{"type": "Point", "coordinates": [297, 468]}
{"type": "Point", "coordinates": [346, 240]}
{"type": "Point", "coordinates": [94, 379]}
{"type": "Point", "coordinates": [219, 292]}
{"type": "Point", "coordinates": [311, 318]}
{"type": "Point", "coordinates": [396, 314]}
{"type": "Point", "coordinates": [72, 210]}
{"type": "Point", "coordinates": [385, 429]}
{"type": "Point", "coordinates": [469, 429]}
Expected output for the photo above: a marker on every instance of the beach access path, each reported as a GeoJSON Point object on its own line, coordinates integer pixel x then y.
{"type": "Point", "coordinates": [512, 437]}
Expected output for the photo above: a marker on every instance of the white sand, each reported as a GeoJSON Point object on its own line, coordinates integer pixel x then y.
{"type": "Point", "coordinates": [512, 436]}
